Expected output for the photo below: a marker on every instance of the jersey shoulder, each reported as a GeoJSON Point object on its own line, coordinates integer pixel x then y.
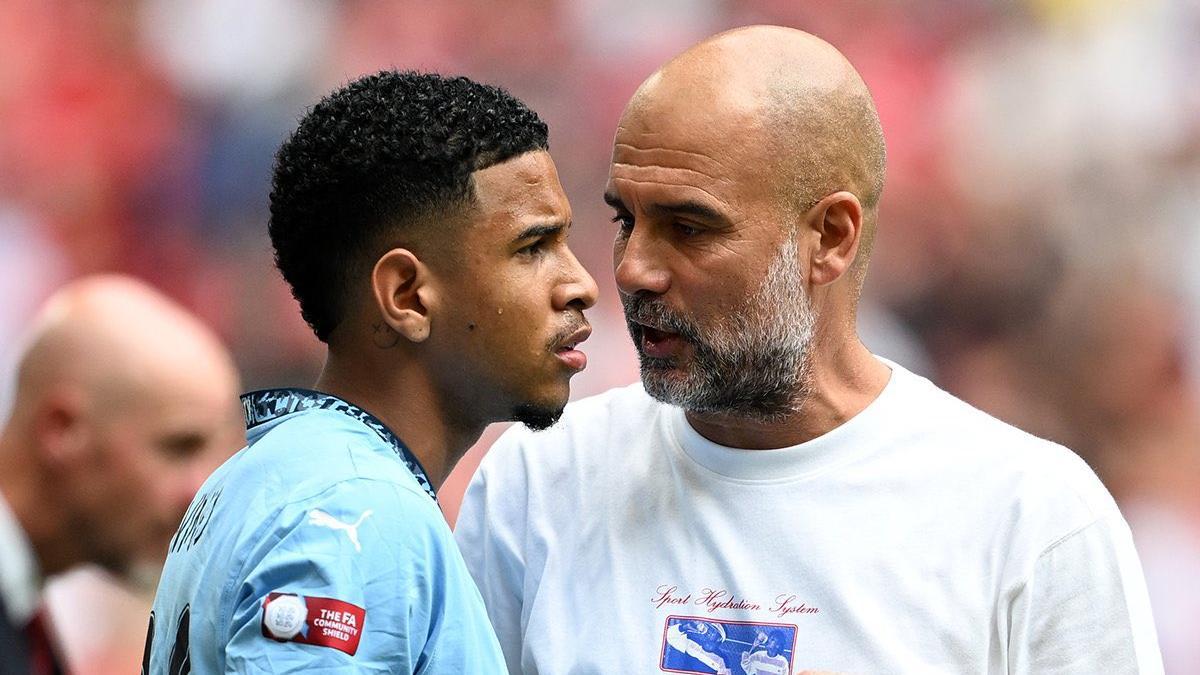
{"type": "Point", "coordinates": [315, 449]}
{"type": "Point", "coordinates": [314, 490]}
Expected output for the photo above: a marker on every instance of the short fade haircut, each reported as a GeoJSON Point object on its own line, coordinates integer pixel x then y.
{"type": "Point", "coordinates": [371, 160]}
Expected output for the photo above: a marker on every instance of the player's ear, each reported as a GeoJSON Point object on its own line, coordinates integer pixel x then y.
{"type": "Point", "coordinates": [400, 283]}
{"type": "Point", "coordinates": [60, 426]}
{"type": "Point", "coordinates": [837, 220]}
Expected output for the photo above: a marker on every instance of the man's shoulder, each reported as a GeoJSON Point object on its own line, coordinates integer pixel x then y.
{"type": "Point", "coordinates": [301, 471]}
{"type": "Point", "coordinates": [937, 413]}
{"type": "Point", "coordinates": [397, 520]}
{"type": "Point", "coordinates": [310, 451]}
{"type": "Point", "coordinates": [385, 528]}
{"type": "Point", "coordinates": [961, 438]}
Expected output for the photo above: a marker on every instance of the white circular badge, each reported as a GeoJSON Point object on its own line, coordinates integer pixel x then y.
{"type": "Point", "coordinates": [285, 616]}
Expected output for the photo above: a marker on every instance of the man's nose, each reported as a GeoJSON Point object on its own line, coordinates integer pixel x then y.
{"type": "Point", "coordinates": [638, 265]}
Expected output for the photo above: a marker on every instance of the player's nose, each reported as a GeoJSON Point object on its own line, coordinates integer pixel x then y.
{"type": "Point", "coordinates": [578, 290]}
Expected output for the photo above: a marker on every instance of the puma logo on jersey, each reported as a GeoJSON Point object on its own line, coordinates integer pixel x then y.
{"type": "Point", "coordinates": [322, 519]}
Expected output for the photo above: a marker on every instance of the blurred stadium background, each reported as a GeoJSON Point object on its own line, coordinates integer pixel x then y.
{"type": "Point", "coordinates": [1038, 232]}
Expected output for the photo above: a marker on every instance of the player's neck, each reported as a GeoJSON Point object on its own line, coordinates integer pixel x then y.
{"type": "Point", "coordinates": [404, 399]}
{"type": "Point", "coordinates": [841, 385]}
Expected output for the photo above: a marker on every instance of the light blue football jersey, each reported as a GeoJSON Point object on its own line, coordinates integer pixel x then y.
{"type": "Point", "coordinates": [318, 547]}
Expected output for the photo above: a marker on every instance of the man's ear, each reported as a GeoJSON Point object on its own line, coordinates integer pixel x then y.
{"type": "Point", "coordinates": [838, 220]}
{"type": "Point", "coordinates": [60, 427]}
{"type": "Point", "coordinates": [400, 282]}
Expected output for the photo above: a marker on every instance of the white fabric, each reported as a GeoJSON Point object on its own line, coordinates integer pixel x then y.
{"type": "Point", "coordinates": [920, 536]}
{"type": "Point", "coordinates": [20, 579]}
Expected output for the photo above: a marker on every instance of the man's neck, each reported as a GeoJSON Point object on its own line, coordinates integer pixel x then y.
{"type": "Point", "coordinates": [405, 400]}
{"type": "Point", "coordinates": [840, 386]}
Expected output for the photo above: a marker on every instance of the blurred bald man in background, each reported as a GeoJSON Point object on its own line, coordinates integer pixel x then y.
{"type": "Point", "coordinates": [124, 403]}
{"type": "Point", "coordinates": [769, 475]}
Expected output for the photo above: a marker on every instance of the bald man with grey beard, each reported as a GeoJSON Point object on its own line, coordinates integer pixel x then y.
{"type": "Point", "coordinates": [769, 475]}
{"type": "Point", "coordinates": [124, 402]}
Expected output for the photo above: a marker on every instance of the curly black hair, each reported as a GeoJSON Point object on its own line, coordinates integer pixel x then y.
{"type": "Point", "coordinates": [380, 154]}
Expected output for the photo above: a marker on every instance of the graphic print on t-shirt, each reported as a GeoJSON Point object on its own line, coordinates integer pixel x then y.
{"type": "Point", "coordinates": [693, 644]}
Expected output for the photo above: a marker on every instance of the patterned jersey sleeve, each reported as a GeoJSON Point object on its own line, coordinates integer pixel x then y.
{"type": "Point", "coordinates": [363, 577]}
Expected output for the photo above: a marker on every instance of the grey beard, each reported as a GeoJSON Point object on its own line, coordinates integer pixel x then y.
{"type": "Point", "coordinates": [753, 364]}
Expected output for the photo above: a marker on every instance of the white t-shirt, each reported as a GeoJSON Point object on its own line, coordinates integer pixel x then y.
{"type": "Point", "coordinates": [920, 536]}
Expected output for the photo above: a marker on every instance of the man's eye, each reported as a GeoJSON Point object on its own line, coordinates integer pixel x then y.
{"type": "Point", "coordinates": [624, 222]}
{"type": "Point", "coordinates": [181, 446]}
{"type": "Point", "coordinates": [686, 230]}
{"type": "Point", "coordinates": [532, 249]}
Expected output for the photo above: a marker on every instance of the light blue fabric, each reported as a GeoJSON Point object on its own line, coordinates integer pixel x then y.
{"type": "Point", "coordinates": [324, 502]}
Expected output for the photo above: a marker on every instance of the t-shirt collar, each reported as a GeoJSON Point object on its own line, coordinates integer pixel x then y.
{"type": "Point", "coordinates": [846, 441]}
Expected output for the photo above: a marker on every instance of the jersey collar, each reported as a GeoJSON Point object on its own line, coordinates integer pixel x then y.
{"type": "Point", "coordinates": [266, 405]}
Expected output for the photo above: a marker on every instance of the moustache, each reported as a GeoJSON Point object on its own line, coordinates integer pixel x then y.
{"type": "Point", "coordinates": [569, 331]}
{"type": "Point", "coordinates": [641, 310]}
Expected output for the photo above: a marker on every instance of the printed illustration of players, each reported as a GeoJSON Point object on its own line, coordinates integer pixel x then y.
{"type": "Point", "coordinates": [702, 645]}
{"type": "Point", "coordinates": [764, 657]}
{"type": "Point", "coordinates": [695, 641]}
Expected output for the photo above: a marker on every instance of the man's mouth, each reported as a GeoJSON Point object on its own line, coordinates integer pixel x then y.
{"type": "Point", "coordinates": [565, 348]}
{"type": "Point", "coordinates": [659, 343]}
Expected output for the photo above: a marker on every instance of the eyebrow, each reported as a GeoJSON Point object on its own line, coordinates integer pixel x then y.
{"type": "Point", "coordinates": [687, 207]}
{"type": "Point", "coordinates": [542, 230]}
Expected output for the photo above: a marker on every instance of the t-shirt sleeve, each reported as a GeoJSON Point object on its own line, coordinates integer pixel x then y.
{"type": "Point", "coordinates": [491, 533]}
{"type": "Point", "coordinates": [361, 578]}
{"type": "Point", "coordinates": [1083, 608]}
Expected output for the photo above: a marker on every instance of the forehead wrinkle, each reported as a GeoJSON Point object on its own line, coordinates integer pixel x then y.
{"type": "Point", "coordinates": [660, 167]}
{"type": "Point", "coordinates": [735, 215]}
{"type": "Point", "coordinates": [715, 165]}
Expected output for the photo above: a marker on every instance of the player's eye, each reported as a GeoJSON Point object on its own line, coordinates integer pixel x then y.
{"type": "Point", "coordinates": [686, 230]}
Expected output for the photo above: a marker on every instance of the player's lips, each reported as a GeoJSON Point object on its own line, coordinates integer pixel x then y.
{"type": "Point", "coordinates": [566, 348]}
{"type": "Point", "coordinates": [659, 343]}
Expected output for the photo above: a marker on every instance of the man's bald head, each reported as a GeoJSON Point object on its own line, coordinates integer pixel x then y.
{"type": "Point", "coordinates": [115, 338]}
{"type": "Point", "coordinates": [124, 402]}
{"type": "Point", "coordinates": [799, 108]}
